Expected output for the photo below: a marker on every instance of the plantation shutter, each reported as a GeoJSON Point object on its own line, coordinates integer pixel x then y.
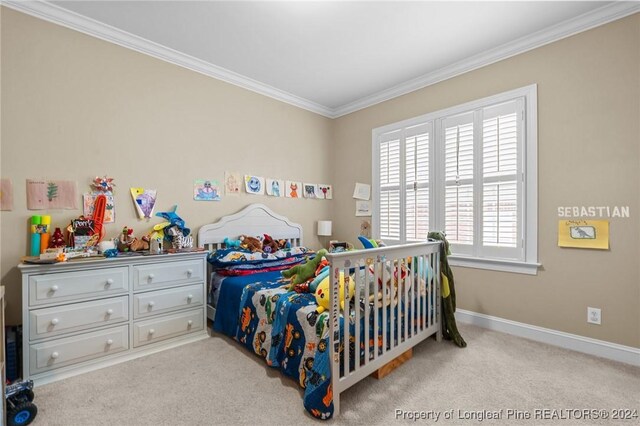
{"type": "Point", "coordinates": [417, 150]}
{"type": "Point", "coordinates": [389, 184]}
{"type": "Point", "coordinates": [502, 133]}
{"type": "Point", "coordinates": [458, 177]}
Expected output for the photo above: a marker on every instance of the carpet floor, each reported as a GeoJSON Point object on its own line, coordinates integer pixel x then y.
{"type": "Point", "coordinates": [215, 381]}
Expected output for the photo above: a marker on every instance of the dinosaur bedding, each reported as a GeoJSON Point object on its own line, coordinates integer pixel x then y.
{"type": "Point", "coordinates": [284, 327]}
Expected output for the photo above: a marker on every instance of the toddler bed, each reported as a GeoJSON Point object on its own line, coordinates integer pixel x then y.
{"type": "Point", "coordinates": [394, 304]}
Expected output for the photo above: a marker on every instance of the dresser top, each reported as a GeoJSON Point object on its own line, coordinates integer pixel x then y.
{"type": "Point", "coordinates": [100, 262]}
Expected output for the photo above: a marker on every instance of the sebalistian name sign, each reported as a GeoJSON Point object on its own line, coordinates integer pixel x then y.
{"type": "Point", "coordinates": [594, 211]}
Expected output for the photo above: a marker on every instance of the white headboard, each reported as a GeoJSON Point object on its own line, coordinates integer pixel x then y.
{"type": "Point", "coordinates": [253, 220]}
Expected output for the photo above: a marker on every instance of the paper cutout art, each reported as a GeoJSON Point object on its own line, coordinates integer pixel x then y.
{"type": "Point", "coordinates": [254, 184]}
{"type": "Point", "coordinates": [293, 189]}
{"type": "Point", "coordinates": [145, 201]}
{"type": "Point", "coordinates": [274, 187]}
{"type": "Point", "coordinates": [362, 191]}
{"type": "Point", "coordinates": [51, 194]}
{"type": "Point", "coordinates": [6, 194]}
{"type": "Point", "coordinates": [325, 191]}
{"type": "Point", "coordinates": [363, 208]}
{"type": "Point", "coordinates": [102, 184]}
{"type": "Point", "coordinates": [232, 182]}
{"type": "Point", "coordinates": [88, 201]}
{"type": "Point", "coordinates": [309, 190]}
{"type": "Point", "coordinates": [206, 190]}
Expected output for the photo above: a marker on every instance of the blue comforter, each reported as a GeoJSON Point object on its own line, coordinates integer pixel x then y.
{"type": "Point", "coordinates": [284, 328]}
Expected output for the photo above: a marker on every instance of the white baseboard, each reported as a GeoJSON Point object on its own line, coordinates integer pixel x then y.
{"type": "Point", "coordinates": [613, 351]}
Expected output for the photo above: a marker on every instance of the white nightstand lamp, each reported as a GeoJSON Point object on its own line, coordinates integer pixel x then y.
{"type": "Point", "coordinates": [324, 228]}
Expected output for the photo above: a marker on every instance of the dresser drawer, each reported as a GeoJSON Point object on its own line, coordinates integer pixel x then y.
{"type": "Point", "coordinates": [155, 302]}
{"type": "Point", "coordinates": [167, 274]}
{"type": "Point", "coordinates": [47, 322]}
{"type": "Point", "coordinates": [154, 330]}
{"type": "Point", "coordinates": [67, 286]}
{"type": "Point", "coordinates": [71, 350]}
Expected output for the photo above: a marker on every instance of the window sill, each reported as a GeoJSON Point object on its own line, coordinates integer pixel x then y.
{"type": "Point", "coordinates": [495, 264]}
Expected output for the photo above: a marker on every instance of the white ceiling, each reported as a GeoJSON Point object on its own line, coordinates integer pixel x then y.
{"type": "Point", "coordinates": [332, 54]}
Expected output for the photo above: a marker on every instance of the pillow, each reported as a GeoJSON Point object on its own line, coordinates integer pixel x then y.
{"type": "Point", "coordinates": [235, 256]}
{"type": "Point", "coordinates": [367, 243]}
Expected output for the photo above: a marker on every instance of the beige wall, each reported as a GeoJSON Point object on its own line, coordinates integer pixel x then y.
{"type": "Point", "coordinates": [588, 154]}
{"type": "Point", "coordinates": [74, 107]}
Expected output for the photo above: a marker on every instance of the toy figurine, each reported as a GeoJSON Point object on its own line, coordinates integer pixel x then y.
{"type": "Point", "coordinates": [57, 239]}
{"type": "Point", "coordinates": [125, 240]}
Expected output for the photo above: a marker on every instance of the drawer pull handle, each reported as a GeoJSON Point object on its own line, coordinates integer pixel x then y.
{"type": "Point", "coordinates": [151, 331]}
{"type": "Point", "coordinates": [109, 311]}
{"type": "Point", "coordinates": [151, 304]}
{"type": "Point", "coordinates": [54, 321]}
{"type": "Point", "coordinates": [189, 297]}
{"type": "Point", "coordinates": [55, 355]}
{"type": "Point", "coordinates": [189, 323]}
{"type": "Point", "coordinates": [189, 272]}
{"type": "Point", "coordinates": [151, 277]}
{"type": "Point", "coordinates": [54, 288]}
{"type": "Point", "coordinates": [109, 342]}
{"type": "Point", "coordinates": [109, 281]}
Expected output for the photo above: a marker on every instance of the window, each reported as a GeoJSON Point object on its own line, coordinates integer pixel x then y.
{"type": "Point", "coordinates": [469, 170]}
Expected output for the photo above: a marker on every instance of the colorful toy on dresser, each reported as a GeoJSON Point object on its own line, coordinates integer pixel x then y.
{"type": "Point", "coordinates": [40, 226]}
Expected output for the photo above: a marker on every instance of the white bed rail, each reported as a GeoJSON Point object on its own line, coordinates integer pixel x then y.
{"type": "Point", "coordinates": [396, 298]}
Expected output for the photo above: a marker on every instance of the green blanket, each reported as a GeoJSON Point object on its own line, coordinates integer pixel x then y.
{"type": "Point", "coordinates": [448, 291]}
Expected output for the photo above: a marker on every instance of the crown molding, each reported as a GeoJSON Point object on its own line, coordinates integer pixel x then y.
{"type": "Point", "coordinates": [58, 15]}
{"type": "Point", "coordinates": [584, 22]}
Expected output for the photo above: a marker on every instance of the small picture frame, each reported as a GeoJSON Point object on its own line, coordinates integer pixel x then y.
{"type": "Point", "coordinates": [338, 246]}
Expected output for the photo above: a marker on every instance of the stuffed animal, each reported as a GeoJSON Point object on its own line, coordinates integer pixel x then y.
{"type": "Point", "coordinates": [283, 244]}
{"type": "Point", "coordinates": [303, 272]}
{"type": "Point", "coordinates": [322, 293]}
{"type": "Point", "coordinates": [269, 245]}
{"type": "Point", "coordinates": [250, 243]}
{"type": "Point", "coordinates": [139, 244]}
{"type": "Point", "coordinates": [178, 239]}
{"type": "Point", "coordinates": [125, 240]}
{"type": "Point", "coordinates": [229, 243]}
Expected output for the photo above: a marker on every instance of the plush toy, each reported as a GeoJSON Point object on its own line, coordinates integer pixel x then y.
{"type": "Point", "coordinates": [269, 245]}
{"type": "Point", "coordinates": [172, 220]}
{"type": "Point", "coordinates": [229, 243]}
{"type": "Point", "coordinates": [283, 244]}
{"type": "Point", "coordinates": [250, 243]}
{"type": "Point", "coordinates": [139, 244]}
{"type": "Point", "coordinates": [303, 272]}
{"type": "Point", "coordinates": [125, 240]}
{"type": "Point", "coordinates": [322, 293]}
{"type": "Point", "coordinates": [178, 239]}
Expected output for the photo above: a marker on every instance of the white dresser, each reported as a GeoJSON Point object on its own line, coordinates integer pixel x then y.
{"type": "Point", "coordinates": [86, 314]}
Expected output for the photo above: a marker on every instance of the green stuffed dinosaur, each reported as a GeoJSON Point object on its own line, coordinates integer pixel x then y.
{"type": "Point", "coordinates": [302, 272]}
{"type": "Point", "coordinates": [448, 291]}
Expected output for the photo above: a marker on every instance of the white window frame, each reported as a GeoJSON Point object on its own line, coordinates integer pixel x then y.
{"type": "Point", "coordinates": [528, 179]}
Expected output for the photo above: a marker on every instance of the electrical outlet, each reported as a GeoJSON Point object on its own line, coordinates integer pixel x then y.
{"type": "Point", "coordinates": [594, 316]}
